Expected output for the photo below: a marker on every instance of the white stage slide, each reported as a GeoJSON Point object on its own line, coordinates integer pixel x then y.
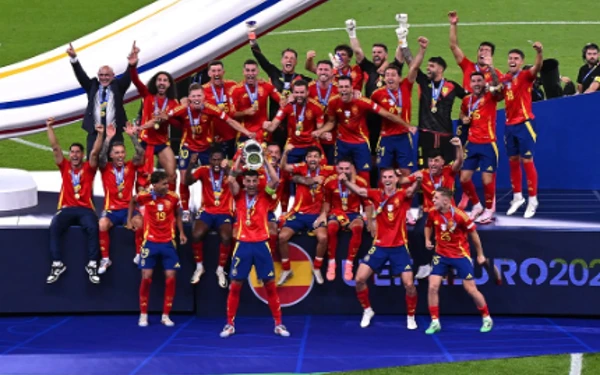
{"type": "Point", "coordinates": [177, 36]}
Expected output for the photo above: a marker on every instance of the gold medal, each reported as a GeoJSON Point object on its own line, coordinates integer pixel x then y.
{"type": "Point", "coordinates": [156, 125]}
{"type": "Point", "coordinates": [217, 203]}
{"type": "Point", "coordinates": [390, 216]}
{"type": "Point", "coordinates": [379, 210]}
{"type": "Point", "coordinates": [221, 105]}
{"type": "Point", "coordinates": [433, 109]}
{"type": "Point", "coordinates": [344, 207]}
{"type": "Point", "coordinates": [274, 196]}
{"type": "Point", "coordinates": [255, 105]}
{"type": "Point", "coordinates": [102, 114]}
{"type": "Point", "coordinates": [120, 195]}
{"type": "Point", "coordinates": [248, 222]}
{"type": "Point", "coordinates": [77, 196]}
{"type": "Point", "coordinates": [297, 133]}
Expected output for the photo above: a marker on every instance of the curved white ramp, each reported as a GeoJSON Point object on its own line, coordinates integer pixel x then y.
{"type": "Point", "coordinates": [177, 36]}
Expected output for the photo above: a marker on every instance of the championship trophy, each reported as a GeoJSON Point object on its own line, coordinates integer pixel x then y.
{"type": "Point", "coordinates": [252, 154]}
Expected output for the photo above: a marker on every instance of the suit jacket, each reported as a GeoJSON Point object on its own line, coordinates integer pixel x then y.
{"type": "Point", "coordinates": [118, 87]}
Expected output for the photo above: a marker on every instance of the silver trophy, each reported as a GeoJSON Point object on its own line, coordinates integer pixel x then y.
{"type": "Point", "coordinates": [252, 154]}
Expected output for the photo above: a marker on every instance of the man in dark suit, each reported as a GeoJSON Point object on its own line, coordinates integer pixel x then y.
{"type": "Point", "coordinates": [105, 98]}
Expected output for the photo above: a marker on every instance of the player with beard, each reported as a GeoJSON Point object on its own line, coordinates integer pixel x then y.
{"type": "Point", "coordinates": [248, 101]}
{"type": "Point", "coordinates": [341, 210]}
{"type": "Point", "coordinates": [590, 70]}
{"type": "Point", "coordinates": [307, 206]}
{"type": "Point", "coordinates": [340, 60]}
{"type": "Point", "coordinates": [478, 110]}
{"type": "Point", "coordinates": [322, 90]}
{"type": "Point", "coordinates": [349, 115]}
{"type": "Point", "coordinates": [159, 98]}
{"type": "Point", "coordinates": [215, 214]}
{"type": "Point", "coordinates": [118, 180]}
{"type": "Point", "coordinates": [390, 241]}
{"type": "Point", "coordinates": [217, 92]}
{"type": "Point", "coordinates": [197, 119]}
{"type": "Point", "coordinates": [304, 118]}
{"type": "Point", "coordinates": [520, 135]}
{"type": "Point", "coordinates": [75, 206]}
{"type": "Point", "coordinates": [252, 250]}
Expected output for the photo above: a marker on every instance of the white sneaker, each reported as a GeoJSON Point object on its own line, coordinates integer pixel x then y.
{"type": "Point", "coordinates": [282, 331]}
{"type": "Point", "coordinates": [197, 274]}
{"type": "Point", "coordinates": [515, 204]}
{"type": "Point", "coordinates": [136, 259]}
{"type": "Point", "coordinates": [223, 282]}
{"type": "Point", "coordinates": [104, 264]}
{"type": "Point", "coordinates": [424, 271]}
{"type": "Point", "coordinates": [285, 276]}
{"type": "Point", "coordinates": [476, 211]}
{"type": "Point", "coordinates": [227, 331]}
{"type": "Point", "coordinates": [368, 314]}
{"type": "Point", "coordinates": [411, 323]}
{"type": "Point", "coordinates": [486, 217]}
{"type": "Point", "coordinates": [318, 277]}
{"type": "Point", "coordinates": [166, 321]}
{"type": "Point", "coordinates": [185, 216]}
{"type": "Point", "coordinates": [143, 321]}
{"type": "Point", "coordinates": [532, 206]}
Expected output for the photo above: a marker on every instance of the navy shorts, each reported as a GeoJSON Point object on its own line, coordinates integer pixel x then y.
{"type": "Point", "coordinates": [151, 251]}
{"type": "Point", "coordinates": [360, 154]}
{"type": "Point", "coordinates": [329, 151]}
{"type": "Point", "coordinates": [157, 148]}
{"type": "Point", "coordinates": [463, 266]}
{"type": "Point", "coordinates": [481, 156]}
{"type": "Point", "coordinates": [395, 151]}
{"type": "Point", "coordinates": [297, 155]}
{"type": "Point", "coordinates": [185, 156]}
{"type": "Point", "coordinates": [118, 217]}
{"type": "Point", "coordinates": [214, 221]}
{"type": "Point", "coordinates": [520, 139]}
{"type": "Point", "coordinates": [342, 220]}
{"type": "Point", "coordinates": [399, 259]}
{"type": "Point", "coordinates": [271, 217]}
{"type": "Point", "coordinates": [301, 222]}
{"type": "Point", "coordinates": [248, 254]}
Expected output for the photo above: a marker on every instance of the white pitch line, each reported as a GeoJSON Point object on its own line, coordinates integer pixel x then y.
{"type": "Point", "coordinates": [34, 145]}
{"type": "Point", "coordinates": [508, 23]}
{"type": "Point", "coordinates": [576, 364]}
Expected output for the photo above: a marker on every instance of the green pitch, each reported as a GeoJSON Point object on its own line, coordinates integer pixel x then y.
{"type": "Point", "coordinates": [41, 25]}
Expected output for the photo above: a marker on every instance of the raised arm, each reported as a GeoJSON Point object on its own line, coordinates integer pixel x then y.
{"type": "Point", "coordinates": [97, 145]}
{"type": "Point", "coordinates": [264, 63]}
{"type": "Point", "coordinates": [273, 178]}
{"type": "Point", "coordinates": [403, 53]}
{"type": "Point", "coordinates": [539, 59]}
{"type": "Point", "coordinates": [140, 153]}
{"type": "Point", "coordinates": [235, 171]}
{"type": "Point", "coordinates": [459, 159]}
{"type": "Point", "coordinates": [125, 80]}
{"type": "Point", "coordinates": [190, 179]}
{"type": "Point", "coordinates": [410, 191]}
{"type": "Point", "coordinates": [456, 51]}
{"type": "Point", "coordinates": [354, 43]}
{"type": "Point", "coordinates": [415, 65]}
{"type": "Point", "coordinates": [103, 157]}
{"type": "Point", "coordinates": [309, 64]}
{"type": "Point", "coordinates": [284, 164]}
{"type": "Point", "coordinates": [56, 150]}
{"type": "Point", "coordinates": [84, 80]}
{"type": "Point", "coordinates": [135, 78]}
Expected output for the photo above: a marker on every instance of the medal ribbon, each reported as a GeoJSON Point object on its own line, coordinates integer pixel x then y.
{"type": "Point", "coordinates": [250, 206]}
{"type": "Point", "coordinates": [119, 176]}
{"type": "Point", "coordinates": [220, 99]}
{"type": "Point", "coordinates": [253, 96]}
{"type": "Point", "coordinates": [313, 186]}
{"type": "Point", "coordinates": [439, 184]}
{"type": "Point", "coordinates": [216, 184]}
{"type": "Point", "coordinates": [324, 101]}
{"type": "Point", "coordinates": [395, 100]}
{"type": "Point", "coordinates": [435, 93]}
{"type": "Point", "coordinates": [343, 194]}
{"type": "Point", "coordinates": [164, 106]}
{"type": "Point", "coordinates": [75, 179]}
{"type": "Point", "coordinates": [473, 107]}
{"type": "Point", "coordinates": [299, 119]}
{"type": "Point", "coordinates": [446, 220]}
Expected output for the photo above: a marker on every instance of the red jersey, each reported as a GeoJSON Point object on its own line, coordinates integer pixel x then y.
{"type": "Point", "coordinates": [159, 215]}
{"type": "Point", "coordinates": [342, 200]}
{"type": "Point", "coordinates": [396, 102]}
{"type": "Point", "coordinates": [451, 231]}
{"type": "Point", "coordinates": [469, 67]}
{"type": "Point", "coordinates": [355, 72]}
{"type": "Point", "coordinates": [282, 191]}
{"type": "Point", "coordinates": [482, 112]}
{"type": "Point", "coordinates": [219, 96]}
{"type": "Point", "coordinates": [391, 217]}
{"type": "Point", "coordinates": [517, 94]}
{"type": "Point", "coordinates": [309, 199]}
{"type": "Point", "coordinates": [352, 118]}
{"type": "Point", "coordinates": [322, 95]}
{"type": "Point", "coordinates": [152, 105]}
{"type": "Point", "coordinates": [430, 183]}
{"type": "Point", "coordinates": [77, 185]}
{"type": "Point", "coordinates": [252, 216]}
{"type": "Point", "coordinates": [243, 97]}
{"type": "Point", "coordinates": [214, 189]}
{"type": "Point", "coordinates": [302, 120]}
{"type": "Point", "coordinates": [198, 125]}
{"type": "Point", "coordinates": [118, 185]}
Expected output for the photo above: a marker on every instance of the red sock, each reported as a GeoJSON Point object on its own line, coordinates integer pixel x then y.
{"type": "Point", "coordinates": [104, 243]}
{"type": "Point", "coordinates": [273, 239]}
{"type": "Point", "coordinates": [434, 311]}
{"type": "Point", "coordinates": [233, 301]}
{"type": "Point", "coordinates": [469, 189]}
{"type": "Point", "coordinates": [532, 178]}
{"type": "Point", "coordinates": [484, 311]}
{"type": "Point", "coordinates": [411, 305]}
{"type": "Point", "coordinates": [516, 177]}
{"type": "Point", "coordinates": [489, 192]}
{"type": "Point", "coordinates": [317, 263]}
{"type": "Point", "coordinates": [363, 298]}
{"type": "Point", "coordinates": [355, 242]}
{"type": "Point", "coordinates": [224, 252]}
{"type": "Point", "coordinates": [169, 295]}
{"type": "Point", "coordinates": [198, 252]}
{"type": "Point", "coordinates": [144, 295]}
{"type": "Point", "coordinates": [273, 299]}
{"type": "Point", "coordinates": [286, 264]}
{"type": "Point", "coordinates": [184, 196]}
{"type": "Point", "coordinates": [366, 175]}
{"type": "Point", "coordinates": [332, 239]}
{"type": "Point", "coordinates": [139, 239]}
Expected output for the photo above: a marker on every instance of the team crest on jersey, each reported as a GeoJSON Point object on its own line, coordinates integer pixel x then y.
{"type": "Point", "coordinates": [445, 91]}
{"type": "Point", "coordinates": [309, 114]}
{"type": "Point", "coordinates": [353, 75]}
{"type": "Point", "coordinates": [204, 118]}
{"type": "Point", "coordinates": [261, 91]}
{"type": "Point", "coordinates": [160, 207]}
{"type": "Point", "coordinates": [354, 110]}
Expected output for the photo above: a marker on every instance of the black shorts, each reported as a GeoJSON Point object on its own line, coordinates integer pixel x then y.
{"type": "Point", "coordinates": [429, 141]}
